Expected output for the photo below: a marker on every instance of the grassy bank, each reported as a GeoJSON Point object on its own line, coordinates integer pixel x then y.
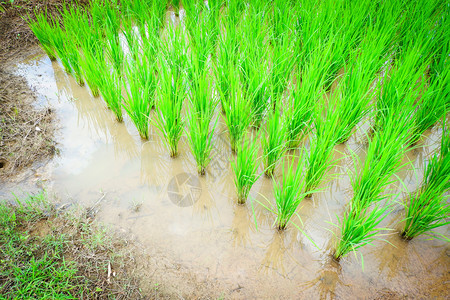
{"type": "Point", "coordinates": [46, 253]}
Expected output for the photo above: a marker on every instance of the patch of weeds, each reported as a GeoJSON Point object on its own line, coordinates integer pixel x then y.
{"type": "Point", "coordinates": [49, 254]}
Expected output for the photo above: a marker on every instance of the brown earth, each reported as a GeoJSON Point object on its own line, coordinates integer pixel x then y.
{"type": "Point", "coordinates": [26, 133]}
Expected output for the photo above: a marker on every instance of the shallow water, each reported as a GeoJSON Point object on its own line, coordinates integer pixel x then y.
{"type": "Point", "coordinates": [196, 222]}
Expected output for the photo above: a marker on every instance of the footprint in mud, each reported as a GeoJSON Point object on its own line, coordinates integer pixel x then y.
{"type": "Point", "coordinates": [184, 190]}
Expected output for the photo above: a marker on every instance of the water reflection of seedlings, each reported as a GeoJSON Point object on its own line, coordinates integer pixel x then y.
{"type": "Point", "coordinates": [241, 225]}
{"type": "Point", "coordinates": [274, 257]}
{"type": "Point", "coordinates": [328, 279]}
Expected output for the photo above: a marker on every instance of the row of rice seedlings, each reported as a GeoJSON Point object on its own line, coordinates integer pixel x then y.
{"type": "Point", "coordinates": [273, 141]}
{"type": "Point", "coordinates": [358, 226]}
{"type": "Point", "coordinates": [43, 28]}
{"type": "Point", "coordinates": [245, 168]}
{"type": "Point", "coordinates": [171, 90]}
{"type": "Point", "coordinates": [428, 207]}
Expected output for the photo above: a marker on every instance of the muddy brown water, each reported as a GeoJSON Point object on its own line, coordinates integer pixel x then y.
{"type": "Point", "coordinates": [195, 221]}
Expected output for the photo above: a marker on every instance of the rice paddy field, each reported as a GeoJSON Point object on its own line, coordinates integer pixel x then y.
{"type": "Point", "coordinates": [278, 149]}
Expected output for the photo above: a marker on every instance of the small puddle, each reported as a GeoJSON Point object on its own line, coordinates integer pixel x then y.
{"type": "Point", "coordinates": [196, 222]}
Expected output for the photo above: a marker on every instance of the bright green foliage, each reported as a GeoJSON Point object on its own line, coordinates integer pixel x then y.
{"type": "Point", "coordinates": [111, 90]}
{"type": "Point", "coordinates": [289, 192]}
{"type": "Point", "coordinates": [225, 65]}
{"type": "Point", "coordinates": [273, 142]}
{"type": "Point", "coordinates": [238, 114]}
{"type": "Point", "coordinates": [283, 61]}
{"type": "Point", "coordinates": [320, 159]}
{"type": "Point", "coordinates": [170, 97]}
{"type": "Point", "coordinates": [369, 181]}
{"type": "Point", "coordinates": [140, 87]}
{"type": "Point", "coordinates": [245, 168]}
{"type": "Point", "coordinates": [359, 228]}
{"type": "Point", "coordinates": [435, 100]}
{"type": "Point", "coordinates": [43, 28]}
{"type": "Point", "coordinates": [428, 207]}
{"type": "Point", "coordinates": [202, 105]}
{"type": "Point", "coordinates": [200, 138]}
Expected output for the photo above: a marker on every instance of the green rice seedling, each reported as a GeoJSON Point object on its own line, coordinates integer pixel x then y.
{"type": "Point", "coordinates": [355, 89]}
{"type": "Point", "coordinates": [73, 56]}
{"type": "Point", "coordinates": [43, 28]}
{"type": "Point", "coordinates": [238, 114]}
{"type": "Point", "coordinates": [273, 142]}
{"type": "Point", "coordinates": [282, 15]}
{"type": "Point", "coordinates": [111, 90]}
{"type": "Point", "coordinates": [225, 65]}
{"type": "Point", "coordinates": [359, 228]}
{"type": "Point", "coordinates": [91, 59]}
{"type": "Point", "coordinates": [202, 105]}
{"type": "Point", "coordinates": [200, 88]}
{"type": "Point", "coordinates": [59, 42]}
{"type": "Point", "coordinates": [397, 93]}
{"type": "Point", "coordinates": [141, 79]}
{"type": "Point", "coordinates": [289, 192]}
{"type": "Point", "coordinates": [383, 159]}
{"type": "Point", "coordinates": [174, 50]}
{"type": "Point", "coordinates": [308, 91]}
{"type": "Point", "coordinates": [170, 97]}
{"type": "Point", "coordinates": [299, 111]}
{"type": "Point", "coordinates": [255, 82]}
{"type": "Point", "coordinates": [200, 138]}
{"type": "Point", "coordinates": [234, 12]}
{"type": "Point", "coordinates": [201, 41]}
{"type": "Point", "coordinates": [245, 168]}
{"type": "Point", "coordinates": [428, 207]}
{"type": "Point", "coordinates": [435, 101]}
{"type": "Point", "coordinates": [129, 31]}
{"type": "Point", "coordinates": [320, 159]}
{"type": "Point", "coordinates": [315, 24]}
{"type": "Point", "coordinates": [282, 66]}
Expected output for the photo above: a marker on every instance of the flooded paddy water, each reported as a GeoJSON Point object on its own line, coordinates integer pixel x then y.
{"type": "Point", "coordinates": [195, 222]}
